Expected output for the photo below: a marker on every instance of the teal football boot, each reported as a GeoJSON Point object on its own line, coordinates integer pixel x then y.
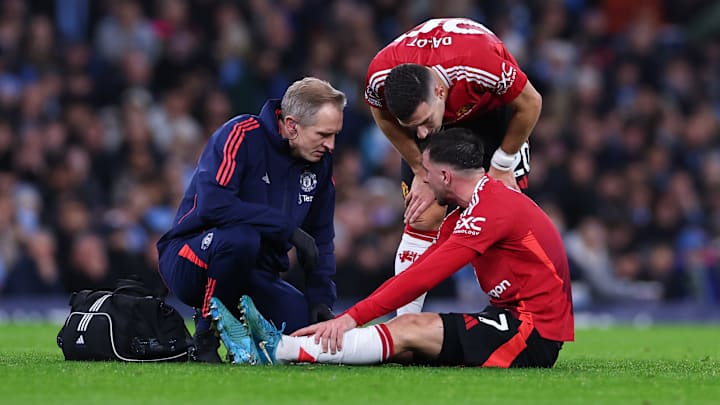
{"type": "Point", "coordinates": [234, 334]}
{"type": "Point", "coordinates": [264, 333]}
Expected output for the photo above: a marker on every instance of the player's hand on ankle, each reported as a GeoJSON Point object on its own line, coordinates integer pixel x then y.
{"type": "Point", "coordinates": [330, 333]}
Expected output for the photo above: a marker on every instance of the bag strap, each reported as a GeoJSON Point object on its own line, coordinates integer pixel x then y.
{"type": "Point", "coordinates": [82, 296]}
{"type": "Point", "coordinates": [132, 287]}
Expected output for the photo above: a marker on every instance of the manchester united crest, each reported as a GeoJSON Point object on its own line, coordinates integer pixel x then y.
{"type": "Point", "coordinates": [308, 181]}
{"type": "Point", "coordinates": [464, 110]}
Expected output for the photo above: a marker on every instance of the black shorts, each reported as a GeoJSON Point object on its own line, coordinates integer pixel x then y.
{"type": "Point", "coordinates": [494, 338]}
{"type": "Point", "coordinates": [492, 127]}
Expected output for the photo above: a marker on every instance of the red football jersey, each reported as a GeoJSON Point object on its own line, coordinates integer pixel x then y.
{"type": "Point", "coordinates": [517, 253]}
{"type": "Point", "coordinates": [480, 73]}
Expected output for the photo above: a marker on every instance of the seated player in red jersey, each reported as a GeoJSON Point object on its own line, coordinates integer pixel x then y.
{"type": "Point", "coordinates": [519, 260]}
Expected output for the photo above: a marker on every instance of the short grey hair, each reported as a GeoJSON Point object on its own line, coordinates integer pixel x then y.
{"type": "Point", "coordinates": [304, 98]}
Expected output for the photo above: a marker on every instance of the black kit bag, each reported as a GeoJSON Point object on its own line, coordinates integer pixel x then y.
{"type": "Point", "coordinates": [127, 324]}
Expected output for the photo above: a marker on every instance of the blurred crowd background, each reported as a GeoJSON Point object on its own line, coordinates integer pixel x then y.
{"type": "Point", "coordinates": [105, 106]}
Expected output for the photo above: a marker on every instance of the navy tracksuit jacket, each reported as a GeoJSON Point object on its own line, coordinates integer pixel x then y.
{"type": "Point", "coordinates": [230, 234]}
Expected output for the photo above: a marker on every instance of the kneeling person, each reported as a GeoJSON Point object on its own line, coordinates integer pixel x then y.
{"type": "Point", "coordinates": [263, 184]}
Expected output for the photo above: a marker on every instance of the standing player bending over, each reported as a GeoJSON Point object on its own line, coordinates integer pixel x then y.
{"type": "Point", "coordinates": [449, 72]}
{"type": "Point", "coordinates": [519, 261]}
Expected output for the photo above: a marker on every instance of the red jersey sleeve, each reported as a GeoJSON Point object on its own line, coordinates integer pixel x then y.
{"type": "Point", "coordinates": [422, 276]}
{"type": "Point", "coordinates": [507, 79]}
{"type": "Point", "coordinates": [487, 74]}
{"type": "Point", "coordinates": [375, 81]}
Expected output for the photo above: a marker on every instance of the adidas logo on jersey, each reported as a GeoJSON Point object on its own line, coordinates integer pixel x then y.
{"type": "Point", "coordinates": [265, 178]}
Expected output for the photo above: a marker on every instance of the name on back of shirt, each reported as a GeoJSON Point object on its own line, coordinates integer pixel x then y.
{"type": "Point", "coordinates": [433, 42]}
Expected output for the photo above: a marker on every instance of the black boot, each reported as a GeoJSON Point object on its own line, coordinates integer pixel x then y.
{"type": "Point", "coordinates": [206, 347]}
{"type": "Point", "coordinates": [205, 343]}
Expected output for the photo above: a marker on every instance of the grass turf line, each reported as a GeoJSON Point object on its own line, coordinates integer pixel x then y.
{"type": "Point", "coordinates": [678, 364]}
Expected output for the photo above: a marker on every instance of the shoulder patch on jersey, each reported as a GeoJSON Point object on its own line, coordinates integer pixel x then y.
{"type": "Point", "coordinates": [373, 97]}
{"type": "Point", "coordinates": [507, 78]}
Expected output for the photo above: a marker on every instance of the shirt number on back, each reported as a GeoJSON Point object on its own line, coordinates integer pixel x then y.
{"type": "Point", "coordinates": [462, 26]}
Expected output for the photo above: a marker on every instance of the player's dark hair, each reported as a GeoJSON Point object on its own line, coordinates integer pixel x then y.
{"type": "Point", "coordinates": [457, 147]}
{"type": "Point", "coordinates": [406, 86]}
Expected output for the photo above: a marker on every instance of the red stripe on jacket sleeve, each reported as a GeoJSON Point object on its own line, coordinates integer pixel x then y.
{"type": "Point", "coordinates": [232, 144]}
{"type": "Point", "coordinates": [186, 252]}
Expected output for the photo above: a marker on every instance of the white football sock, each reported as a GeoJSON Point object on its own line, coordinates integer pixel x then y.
{"type": "Point", "coordinates": [370, 345]}
{"type": "Point", "coordinates": [410, 249]}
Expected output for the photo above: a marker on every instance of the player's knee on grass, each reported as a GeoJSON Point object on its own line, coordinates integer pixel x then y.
{"type": "Point", "coordinates": [421, 332]}
{"type": "Point", "coordinates": [430, 219]}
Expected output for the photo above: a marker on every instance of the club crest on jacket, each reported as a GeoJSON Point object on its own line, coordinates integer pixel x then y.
{"type": "Point", "coordinates": [308, 181]}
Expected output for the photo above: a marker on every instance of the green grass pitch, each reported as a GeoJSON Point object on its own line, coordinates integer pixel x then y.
{"type": "Point", "coordinates": [662, 364]}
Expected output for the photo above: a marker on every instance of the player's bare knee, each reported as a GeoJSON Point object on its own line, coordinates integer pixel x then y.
{"type": "Point", "coordinates": [430, 219]}
{"type": "Point", "coordinates": [409, 330]}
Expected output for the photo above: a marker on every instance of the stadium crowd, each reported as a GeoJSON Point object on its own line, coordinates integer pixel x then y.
{"type": "Point", "coordinates": [105, 106]}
